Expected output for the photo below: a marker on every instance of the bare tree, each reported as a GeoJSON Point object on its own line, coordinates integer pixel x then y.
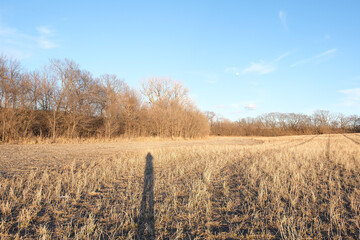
{"type": "Point", "coordinates": [211, 117]}
{"type": "Point", "coordinates": [354, 123]}
{"type": "Point", "coordinates": [10, 79]}
{"type": "Point", "coordinates": [111, 91]}
{"type": "Point", "coordinates": [321, 120]}
{"type": "Point", "coordinates": [130, 104]}
{"type": "Point", "coordinates": [65, 73]}
{"type": "Point", "coordinates": [171, 109]}
{"type": "Point", "coordinates": [164, 91]}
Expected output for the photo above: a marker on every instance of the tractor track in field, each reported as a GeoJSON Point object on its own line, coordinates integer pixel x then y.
{"type": "Point", "coordinates": [305, 142]}
{"type": "Point", "coordinates": [348, 182]}
{"type": "Point", "coordinates": [290, 144]}
{"type": "Point", "coordinates": [271, 149]}
{"type": "Point", "coordinates": [240, 188]}
{"type": "Point", "coordinates": [351, 139]}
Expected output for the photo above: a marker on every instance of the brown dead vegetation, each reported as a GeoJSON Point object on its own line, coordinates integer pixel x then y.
{"type": "Point", "coordinates": [282, 124]}
{"type": "Point", "coordinates": [283, 188]}
{"type": "Point", "coordinates": [64, 101]}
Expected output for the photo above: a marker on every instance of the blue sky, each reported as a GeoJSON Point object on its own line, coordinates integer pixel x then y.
{"type": "Point", "coordinates": [238, 58]}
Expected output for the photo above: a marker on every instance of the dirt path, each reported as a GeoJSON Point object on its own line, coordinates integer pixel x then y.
{"type": "Point", "coordinates": [18, 158]}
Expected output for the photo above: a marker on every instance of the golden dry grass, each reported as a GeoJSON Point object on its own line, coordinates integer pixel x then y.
{"type": "Point", "coordinates": [281, 188]}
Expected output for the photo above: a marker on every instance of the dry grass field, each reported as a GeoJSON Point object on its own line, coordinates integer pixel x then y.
{"type": "Point", "coordinates": [222, 188]}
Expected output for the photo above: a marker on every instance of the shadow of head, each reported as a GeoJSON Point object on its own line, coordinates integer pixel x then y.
{"type": "Point", "coordinates": [149, 157]}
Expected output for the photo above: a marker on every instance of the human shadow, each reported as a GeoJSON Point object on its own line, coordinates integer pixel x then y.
{"type": "Point", "coordinates": [146, 219]}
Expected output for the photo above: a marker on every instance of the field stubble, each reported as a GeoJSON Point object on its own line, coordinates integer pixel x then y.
{"type": "Point", "coordinates": [286, 187]}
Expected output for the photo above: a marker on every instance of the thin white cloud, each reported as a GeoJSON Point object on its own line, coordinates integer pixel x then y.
{"type": "Point", "coordinates": [328, 52]}
{"type": "Point", "coordinates": [352, 97]}
{"type": "Point", "coordinates": [352, 94]}
{"type": "Point", "coordinates": [4, 30]}
{"type": "Point", "coordinates": [46, 43]}
{"type": "Point", "coordinates": [18, 44]}
{"type": "Point", "coordinates": [283, 19]}
{"type": "Point", "coordinates": [318, 56]}
{"type": "Point", "coordinates": [44, 30]}
{"type": "Point", "coordinates": [281, 57]}
{"type": "Point", "coordinates": [15, 53]}
{"type": "Point", "coordinates": [251, 107]}
{"type": "Point", "coordinates": [259, 68]}
{"type": "Point", "coordinates": [300, 62]}
{"type": "Point", "coordinates": [44, 40]}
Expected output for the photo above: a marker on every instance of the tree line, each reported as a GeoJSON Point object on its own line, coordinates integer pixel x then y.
{"type": "Point", "coordinates": [278, 124]}
{"type": "Point", "coordinates": [64, 100]}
